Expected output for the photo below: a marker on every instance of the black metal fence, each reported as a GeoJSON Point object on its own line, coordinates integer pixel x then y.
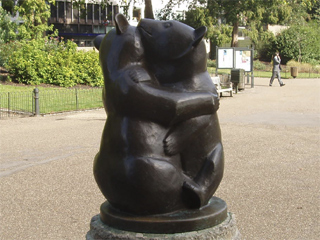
{"type": "Point", "coordinates": [20, 104]}
{"type": "Point", "coordinates": [16, 104]}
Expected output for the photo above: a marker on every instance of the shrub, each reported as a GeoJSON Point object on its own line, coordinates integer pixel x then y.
{"type": "Point", "coordinates": [53, 62]}
{"type": "Point", "coordinates": [303, 67]}
{"type": "Point", "coordinates": [6, 50]}
{"type": "Point", "coordinates": [257, 65]}
{"type": "Point", "coordinates": [300, 43]}
{"type": "Point", "coordinates": [211, 63]}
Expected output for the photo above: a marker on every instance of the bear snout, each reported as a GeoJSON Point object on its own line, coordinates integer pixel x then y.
{"type": "Point", "coordinates": [146, 26]}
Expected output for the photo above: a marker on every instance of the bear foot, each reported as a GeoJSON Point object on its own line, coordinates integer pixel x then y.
{"type": "Point", "coordinates": [194, 193]}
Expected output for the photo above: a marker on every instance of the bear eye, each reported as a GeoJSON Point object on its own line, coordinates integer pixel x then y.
{"type": "Point", "coordinates": [167, 24]}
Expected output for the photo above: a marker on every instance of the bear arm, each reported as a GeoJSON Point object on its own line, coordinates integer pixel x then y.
{"type": "Point", "coordinates": [165, 105]}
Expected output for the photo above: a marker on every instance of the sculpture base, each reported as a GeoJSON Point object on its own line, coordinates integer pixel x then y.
{"type": "Point", "coordinates": [227, 230]}
{"type": "Point", "coordinates": [214, 213]}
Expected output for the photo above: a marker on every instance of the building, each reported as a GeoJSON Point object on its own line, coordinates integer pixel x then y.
{"type": "Point", "coordinates": [82, 23]}
{"type": "Point", "coordinates": [275, 29]}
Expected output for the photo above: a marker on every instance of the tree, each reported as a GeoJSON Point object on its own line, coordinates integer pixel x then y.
{"type": "Point", "coordinates": [251, 13]}
{"type": "Point", "coordinates": [300, 42]}
{"type": "Point", "coordinates": [8, 28]}
{"type": "Point", "coordinates": [148, 11]}
{"type": "Point", "coordinates": [32, 16]}
{"type": "Point", "coordinates": [35, 14]}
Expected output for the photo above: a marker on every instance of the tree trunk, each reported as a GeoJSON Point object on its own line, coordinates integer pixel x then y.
{"type": "Point", "coordinates": [148, 12]}
{"type": "Point", "coordinates": [234, 42]}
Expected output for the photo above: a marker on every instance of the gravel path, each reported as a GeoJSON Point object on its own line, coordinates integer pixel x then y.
{"type": "Point", "coordinates": [271, 137]}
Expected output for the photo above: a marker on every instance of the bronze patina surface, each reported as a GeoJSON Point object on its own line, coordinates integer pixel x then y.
{"type": "Point", "coordinates": [214, 213]}
{"type": "Point", "coordinates": [161, 150]}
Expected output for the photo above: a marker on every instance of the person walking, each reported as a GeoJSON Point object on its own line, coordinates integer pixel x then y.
{"type": "Point", "coordinates": [276, 70]}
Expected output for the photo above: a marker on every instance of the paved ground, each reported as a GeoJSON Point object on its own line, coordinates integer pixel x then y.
{"type": "Point", "coordinates": [272, 149]}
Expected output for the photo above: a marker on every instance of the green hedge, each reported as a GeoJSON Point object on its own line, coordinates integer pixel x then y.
{"type": "Point", "coordinates": [257, 65]}
{"type": "Point", "coordinates": [211, 63]}
{"type": "Point", "coordinates": [51, 61]}
{"type": "Point", "coordinates": [300, 42]}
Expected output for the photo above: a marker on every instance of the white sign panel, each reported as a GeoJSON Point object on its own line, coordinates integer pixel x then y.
{"type": "Point", "coordinates": [225, 58]}
{"type": "Point", "coordinates": [243, 60]}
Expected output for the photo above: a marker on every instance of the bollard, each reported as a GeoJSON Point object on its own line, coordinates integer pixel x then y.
{"type": "Point", "coordinates": [36, 101]}
{"type": "Point", "coordinates": [252, 80]}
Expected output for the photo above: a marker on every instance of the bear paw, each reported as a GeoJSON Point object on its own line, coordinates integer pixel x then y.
{"type": "Point", "coordinates": [139, 74]}
{"type": "Point", "coordinates": [170, 145]}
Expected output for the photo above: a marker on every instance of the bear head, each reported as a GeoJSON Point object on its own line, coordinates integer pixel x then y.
{"type": "Point", "coordinates": [173, 50]}
{"type": "Point", "coordinates": [120, 47]}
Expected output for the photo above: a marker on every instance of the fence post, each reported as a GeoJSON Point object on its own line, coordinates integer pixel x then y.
{"type": "Point", "coordinates": [36, 101]}
{"type": "Point", "coordinates": [77, 100]}
{"type": "Point", "coordinates": [9, 104]}
{"type": "Point", "coordinates": [285, 72]}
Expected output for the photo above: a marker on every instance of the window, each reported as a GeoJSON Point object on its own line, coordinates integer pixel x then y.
{"type": "Point", "coordinates": [83, 12]}
{"type": "Point", "coordinates": [53, 10]}
{"type": "Point", "coordinates": [89, 11]}
{"type": "Point", "coordinates": [60, 6]}
{"type": "Point", "coordinates": [69, 9]}
{"type": "Point", "coordinates": [96, 12]}
{"type": "Point", "coordinates": [75, 14]}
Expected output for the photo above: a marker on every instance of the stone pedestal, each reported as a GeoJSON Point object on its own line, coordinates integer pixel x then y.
{"type": "Point", "coordinates": [227, 230]}
{"type": "Point", "coordinates": [188, 220]}
{"type": "Point", "coordinates": [209, 222]}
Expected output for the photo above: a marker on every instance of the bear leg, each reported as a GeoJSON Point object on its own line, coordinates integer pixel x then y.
{"type": "Point", "coordinates": [204, 185]}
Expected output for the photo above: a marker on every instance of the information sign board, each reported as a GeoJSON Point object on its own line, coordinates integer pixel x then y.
{"type": "Point", "coordinates": [243, 60]}
{"type": "Point", "coordinates": [225, 57]}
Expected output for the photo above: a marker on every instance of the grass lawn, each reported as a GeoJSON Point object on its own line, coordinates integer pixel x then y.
{"type": "Point", "coordinates": [20, 88]}
{"type": "Point", "coordinates": [267, 74]}
{"type": "Point", "coordinates": [17, 98]}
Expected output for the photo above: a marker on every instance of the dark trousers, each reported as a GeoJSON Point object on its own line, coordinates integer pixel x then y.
{"type": "Point", "coordinates": [276, 74]}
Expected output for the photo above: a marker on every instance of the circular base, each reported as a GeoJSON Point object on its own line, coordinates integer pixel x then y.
{"type": "Point", "coordinates": [214, 213]}
{"type": "Point", "coordinates": [227, 230]}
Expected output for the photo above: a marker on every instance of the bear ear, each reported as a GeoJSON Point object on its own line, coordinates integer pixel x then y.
{"type": "Point", "coordinates": [198, 35]}
{"type": "Point", "coordinates": [121, 23]}
{"type": "Point", "coordinates": [97, 41]}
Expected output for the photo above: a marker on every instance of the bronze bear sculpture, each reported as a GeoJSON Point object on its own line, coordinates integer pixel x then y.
{"type": "Point", "coordinates": [161, 148]}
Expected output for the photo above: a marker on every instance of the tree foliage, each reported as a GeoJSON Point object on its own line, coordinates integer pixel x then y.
{"type": "Point", "coordinates": [31, 22]}
{"type": "Point", "coordinates": [222, 18]}
{"type": "Point", "coordinates": [300, 42]}
{"type": "Point", "coordinates": [35, 14]}
{"type": "Point", "coordinates": [33, 58]}
{"type": "Point", "coordinates": [8, 28]}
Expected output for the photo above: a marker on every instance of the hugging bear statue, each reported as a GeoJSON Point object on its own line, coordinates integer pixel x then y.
{"type": "Point", "coordinates": [161, 150]}
{"type": "Point", "coordinates": [181, 63]}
